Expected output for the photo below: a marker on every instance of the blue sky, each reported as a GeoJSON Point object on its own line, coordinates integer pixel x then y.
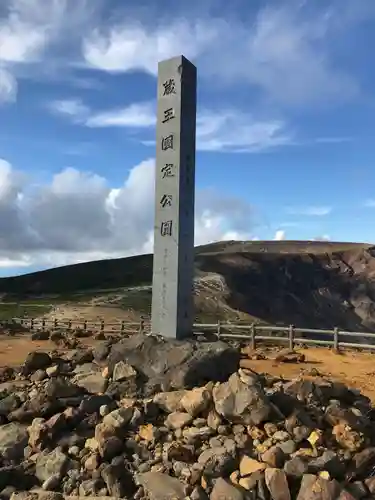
{"type": "Point", "coordinates": [285, 124]}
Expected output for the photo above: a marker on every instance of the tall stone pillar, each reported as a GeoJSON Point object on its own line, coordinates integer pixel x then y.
{"type": "Point", "coordinates": [172, 287]}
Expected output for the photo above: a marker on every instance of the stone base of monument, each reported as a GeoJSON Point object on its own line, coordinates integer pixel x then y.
{"type": "Point", "coordinates": [165, 364]}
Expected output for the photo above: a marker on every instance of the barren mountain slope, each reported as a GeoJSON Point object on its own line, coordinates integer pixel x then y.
{"type": "Point", "coordinates": [314, 284]}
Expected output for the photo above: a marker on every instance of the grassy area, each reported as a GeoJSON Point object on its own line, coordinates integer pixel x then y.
{"type": "Point", "coordinates": [8, 311]}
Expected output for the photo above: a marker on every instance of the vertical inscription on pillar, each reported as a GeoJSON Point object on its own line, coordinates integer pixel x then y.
{"type": "Point", "coordinates": [172, 298]}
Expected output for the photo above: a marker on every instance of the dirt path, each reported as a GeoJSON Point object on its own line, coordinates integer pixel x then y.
{"type": "Point", "coordinates": [355, 369]}
{"type": "Point", "coordinates": [91, 313]}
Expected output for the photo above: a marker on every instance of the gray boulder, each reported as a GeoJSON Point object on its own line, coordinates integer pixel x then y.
{"type": "Point", "coordinates": [171, 364]}
{"type": "Point", "coordinates": [13, 440]}
{"type": "Point", "coordinates": [241, 403]}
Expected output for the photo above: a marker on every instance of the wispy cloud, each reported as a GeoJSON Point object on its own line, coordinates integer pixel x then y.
{"type": "Point", "coordinates": [369, 203]}
{"type": "Point", "coordinates": [8, 86]}
{"type": "Point", "coordinates": [134, 116]}
{"type": "Point", "coordinates": [73, 109]}
{"type": "Point", "coordinates": [314, 211]}
{"type": "Point", "coordinates": [224, 130]}
{"type": "Point", "coordinates": [235, 131]}
{"type": "Point", "coordinates": [325, 237]}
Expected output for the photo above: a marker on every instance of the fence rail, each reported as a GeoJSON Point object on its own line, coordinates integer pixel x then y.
{"type": "Point", "coordinates": [290, 335]}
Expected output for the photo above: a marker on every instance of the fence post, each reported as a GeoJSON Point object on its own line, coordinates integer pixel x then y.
{"type": "Point", "coordinates": [336, 339]}
{"type": "Point", "coordinates": [291, 337]}
{"type": "Point", "coordinates": [32, 324]}
{"type": "Point", "coordinates": [142, 326]}
{"type": "Point", "coordinates": [70, 324]}
{"type": "Point", "coordinates": [252, 332]}
{"type": "Point", "coordinates": [102, 325]}
{"type": "Point", "coordinates": [43, 325]}
{"type": "Point", "coordinates": [85, 324]}
{"type": "Point", "coordinates": [122, 326]}
{"type": "Point", "coordinates": [55, 323]}
{"type": "Point", "coordinates": [218, 329]}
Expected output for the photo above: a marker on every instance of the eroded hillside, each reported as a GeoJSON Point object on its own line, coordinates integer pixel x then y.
{"type": "Point", "coordinates": [309, 284]}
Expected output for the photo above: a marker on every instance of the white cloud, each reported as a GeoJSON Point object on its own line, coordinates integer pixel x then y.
{"type": "Point", "coordinates": [279, 235]}
{"type": "Point", "coordinates": [313, 211]}
{"type": "Point", "coordinates": [132, 46]}
{"type": "Point", "coordinates": [284, 51]}
{"type": "Point", "coordinates": [135, 115]}
{"type": "Point", "coordinates": [224, 130]}
{"type": "Point", "coordinates": [72, 108]}
{"type": "Point", "coordinates": [78, 216]}
{"type": "Point", "coordinates": [369, 203]}
{"type": "Point", "coordinates": [236, 131]}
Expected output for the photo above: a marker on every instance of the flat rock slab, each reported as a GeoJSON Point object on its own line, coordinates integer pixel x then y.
{"type": "Point", "coordinates": [166, 364]}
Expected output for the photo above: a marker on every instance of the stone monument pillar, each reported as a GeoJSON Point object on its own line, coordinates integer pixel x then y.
{"type": "Point", "coordinates": [172, 287]}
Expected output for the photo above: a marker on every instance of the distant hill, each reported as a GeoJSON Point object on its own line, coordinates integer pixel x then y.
{"type": "Point", "coordinates": [311, 284]}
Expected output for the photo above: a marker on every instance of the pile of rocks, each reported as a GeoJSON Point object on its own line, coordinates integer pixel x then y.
{"type": "Point", "coordinates": [152, 425]}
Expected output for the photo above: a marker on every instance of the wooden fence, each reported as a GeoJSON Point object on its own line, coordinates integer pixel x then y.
{"type": "Point", "coordinates": [254, 333]}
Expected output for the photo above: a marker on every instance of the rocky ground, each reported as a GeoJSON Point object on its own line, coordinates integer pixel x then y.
{"type": "Point", "coordinates": [146, 418]}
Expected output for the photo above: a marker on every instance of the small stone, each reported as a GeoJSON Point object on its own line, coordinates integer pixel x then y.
{"type": "Point", "coordinates": [277, 484]}
{"type": "Point", "coordinates": [301, 432]}
{"type": "Point", "coordinates": [196, 401]}
{"type": "Point", "coordinates": [194, 433]}
{"type": "Point", "coordinates": [123, 371]}
{"type": "Point", "coordinates": [324, 474]}
{"type": "Point", "coordinates": [281, 436]}
{"type": "Point", "coordinates": [256, 433]}
{"type": "Point", "coordinates": [235, 476]}
{"type": "Point", "coordinates": [223, 430]}
{"type": "Point", "coordinates": [74, 451]}
{"type": "Point", "coordinates": [317, 488]}
{"type": "Point", "coordinates": [92, 462]}
{"type": "Point", "coordinates": [296, 467]}
{"type": "Point", "coordinates": [288, 447]}
{"type": "Point", "coordinates": [357, 489]}
{"type": "Point", "coordinates": [170, 401]}
{"type": "Point", "coordinates": [51, 483]}
{"type": "Point", "coordinates": [35, 361]}
{"type": "Point", "coordinates": [241, 403]}
{"type": "Point", "coordinates": [270, 429]}
{"type": "Point", "coordinates": [213, 420]}
{"type": "Point", "coordinates": [54, 463]}
{"type": "Point", "coordinates": [178, 420]}
{"type": "Point", "coordinates": [223, 490]}
{"type": "Point", "coordinates": [148, 432]}
{"type": "Point", "coordinates": [315, 438]}
{"type": "Point", "coordinates": [119, 418]}
{"type": "Point", "coordinates": [160, 486]}
{"type": "Point", "coordinates": [274, 457]}
{"type": "Point", "coordinates": [13, 440]}
{"type": "Point", "coordinates": [38, 376]}
{"type": "Point", "coordinates": [198, 494]}
{"type": "Point", "coordinates": [93, 382]}
{"type": "Point", "coordinates": [249, 465]}
{"type": "Point", "coordinates": [249, 483]}
{"type": "Point", "coordinates": [348, 438]}
{"type": "Point", "coordinates": [53, 371]}
{"type": "Point", "coordinates": [92, 444]}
